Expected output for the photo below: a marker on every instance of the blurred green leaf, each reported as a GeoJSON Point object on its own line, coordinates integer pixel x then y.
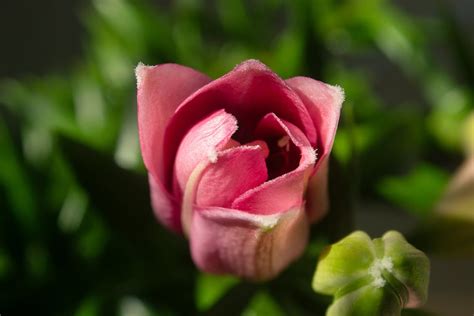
{"type": "Point", "coordinates": [359, 139]}
{"type": "Point", "coordinates": [123, 19]}
{"type": "Point", "coordinates": [92, 240]}
{"type": "Point", "coordinates": [14, 181]}
{"type": "Point", "coordinates": [233, 17]}
{"type": "Point", "coordinates": [72, 212]}
{"type": "Point", "coordinates": [5, 264]}
{"type": "Point", "coordinates": [234, 301]}
{"type": "Point", "coordinates": [416, 192]}
{"type": "Point", "coordinates": [89, 307]}
{"type": "Point", "coordinates": [263, 304]}
{"type": "Point", "coordinates": [456, 37]}
{"type": "Point", "coordinates": [396, 144]}
{"type": "Point", "coordinates": [288, 54]}
{"type": "Point", "coordinates": [210, 288]}
{"type": "Point", "coordinates": [358, 91]}
{"type": "Point", "coordinates": [127, 151]}
{"type": "Point", "coordinates": [445, 121]}
{"type": "Point", "coordinates": [37, 260]}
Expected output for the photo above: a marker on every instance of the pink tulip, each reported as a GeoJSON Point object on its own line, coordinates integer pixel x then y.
{"type": "Point", "coordinates": [230, 161]}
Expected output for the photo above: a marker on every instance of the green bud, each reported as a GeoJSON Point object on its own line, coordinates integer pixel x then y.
{"type": "Point", "coordinates": [372, 277]}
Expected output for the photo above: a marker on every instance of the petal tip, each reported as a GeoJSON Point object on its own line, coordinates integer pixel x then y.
{"type": "Point", "coordinates": [140, 70]}
{"type": "Point", "coordinates": [338, 94]}
{"type": "Point", "coordinates": [212, 156]}
{"type": "Point", "coordinates": [312, 154]}
{"type": "Point", "coordinates": [251, 64]}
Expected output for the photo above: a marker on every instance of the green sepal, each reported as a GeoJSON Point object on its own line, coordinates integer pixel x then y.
{"type": "Point", "coordinates": [410, 266]}
{"type": "Point", "coordinates": [343, 263]}
{"type": "Point", "coordinates": [364, 301]}
{"type": "Point", "coordinates": [372, 277]}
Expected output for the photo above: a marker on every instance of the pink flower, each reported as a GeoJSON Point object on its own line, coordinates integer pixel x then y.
{"type": "Point", "coordinates": [230, 161]}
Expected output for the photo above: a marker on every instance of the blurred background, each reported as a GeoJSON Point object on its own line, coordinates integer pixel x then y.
{"type": "Point", "coordinates": [77, 235]}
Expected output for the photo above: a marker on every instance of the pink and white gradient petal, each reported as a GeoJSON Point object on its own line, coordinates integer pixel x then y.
{"type": "Point", "coordinates": [235, 171]}
{"type": "Point", "coordinates": [202, 142]}
{"type": "Point", "coordinates": [160, 90]}
{"type": "Point", "coordinates": [287, 190]}
{"type": "Point", "coordinates": [256, 247]}
{"type": "Point", "coordinates": [324, 103]}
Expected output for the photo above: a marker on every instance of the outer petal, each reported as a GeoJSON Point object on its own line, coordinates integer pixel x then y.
{"type": "Point", "coordinates": [286, 190]}
{"type": "Point", "coordinates": [324, 105]}
{"type": "Point", "coordinates": [164, 205]}
{"type": "Point", "coordinates": [317, 194]}
{"type": "Point", "coordinates": [255, 247]}
{"type": "Point", "coordinates": [248, 92]}
{"type": "Point", "coordinates": [201, 143]}
{"type": "Point", "coordinates": [160, 90]}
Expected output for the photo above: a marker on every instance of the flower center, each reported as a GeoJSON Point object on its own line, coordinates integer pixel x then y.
{"type": "Point", "coordinates": [284, 156]}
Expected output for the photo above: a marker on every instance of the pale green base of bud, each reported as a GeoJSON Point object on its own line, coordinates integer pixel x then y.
{"type": "Point", "coordinates": [372, 277]}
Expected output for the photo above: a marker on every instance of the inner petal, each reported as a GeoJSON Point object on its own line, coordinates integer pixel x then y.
{"type": "Point", "coordinates": [286, 190]}
{"type": "Point", "coordinates": [235, 171]}
{"type": "Point", "coordinates": [284, 154]}
{"type": "Point", "coordinates": [201, 143]}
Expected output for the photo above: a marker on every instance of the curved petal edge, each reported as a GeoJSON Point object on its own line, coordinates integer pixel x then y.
{"type": "Point", "coordinates": [256, 247]}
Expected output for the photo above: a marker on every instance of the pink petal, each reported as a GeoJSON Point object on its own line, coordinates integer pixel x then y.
{"type": "Point", "coordinates": [236, 171]}
{"type": "Point", "coordinates": [202, 141]}
{"type": "Point", "coordinates": [271, 125]}
{"type": "Point", "coordinates": [216, 183]}
{"type": "Point", "coordinates": [248, 92]}
{"type": "Point", "coordinates": [285, 191]}
{"type": "Point", "coordinates": [160, 90]}
{"type": "Point", "coordinates": [324, 105]}
{"type": "Point", "coordinates": [317, 194]}
{"type": "Point", "coordinates": [165, 207]}
{"type": "Point", "coordinates": [257, 247]}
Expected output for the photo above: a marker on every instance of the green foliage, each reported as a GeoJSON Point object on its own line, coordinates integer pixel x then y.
{"type": "Point", "coordinates": [263, 304]}
{"type": "Point", "coordinates": [210, 288]}
{"type": "Point", "coordinates": [417, 192]}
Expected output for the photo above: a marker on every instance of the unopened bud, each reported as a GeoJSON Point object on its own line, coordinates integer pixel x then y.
{"type": "Point", "coordinates": [372, 277]}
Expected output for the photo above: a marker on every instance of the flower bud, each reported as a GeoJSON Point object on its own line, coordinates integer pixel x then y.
{"type": "Point", "coordinates": [372, 277]}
